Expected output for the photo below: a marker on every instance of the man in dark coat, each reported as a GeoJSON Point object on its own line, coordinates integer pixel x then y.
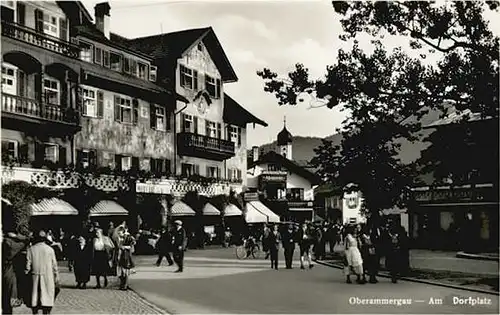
{"type": "Point", "coordinates": [179, 243]}
{"type": "Point", "coordinates": [164, 247]}
{"type": "Point", "coordinates": [274, 240]}
{"type": "Point", "coordinates": [288, 238]}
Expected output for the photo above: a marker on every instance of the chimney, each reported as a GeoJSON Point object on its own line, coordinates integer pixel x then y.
{"type": "Point", "coordinates": [102, 17]}
{"type": "Point", "coordinates": [255, 150]}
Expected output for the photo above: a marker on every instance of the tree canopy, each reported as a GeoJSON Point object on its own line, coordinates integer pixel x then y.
{"type": "Point", "coordinates": [383, 89]}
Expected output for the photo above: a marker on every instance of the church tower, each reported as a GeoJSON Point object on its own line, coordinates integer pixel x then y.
{"type": "Point", "coordinates": [285, 142]}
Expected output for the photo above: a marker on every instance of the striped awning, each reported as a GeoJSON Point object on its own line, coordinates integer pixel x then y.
{"type": "Point", "coordinates": [181, 209]}
{"type": "Point", "coordinates": [253, 215]}
{"type": "Point", "coordinates": [53, 206]}
{"type": "Point", "coordinates": [209, 209]}
{"type": "Point", "coordinates": [259, 206]}
{"type": "Point", "coordinates": [231, 210]}
{"type": "Point", "coordinates": [107, 208]}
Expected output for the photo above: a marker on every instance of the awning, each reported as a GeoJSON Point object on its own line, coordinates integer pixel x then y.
{"type": "Point", "coordinates": [232, 210]}
{"type": "Point", "coordinates": [259, 206]}
{"type": "Point", "coordinates": [6, 201]}
{"type": "Point", "coordinates": [107, 208]}
{"type": "Point", "coordinates": [181, 209]}
{"type": "Point", "coordinates": [253, 215]}
{"type": "Point", "coordinates": [209, 209]}
{"type": "Point", "coordinates": [317, 218]}
{"type": "Point", "coordinates": [53, 206]}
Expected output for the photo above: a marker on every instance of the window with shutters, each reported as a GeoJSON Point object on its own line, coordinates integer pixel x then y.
{"type": "Point", "coordinates": [161, 122]}
{"type": "Point", "coordinates": [211, 129]}
{"type": "Point", "coordinates": [188, 78]}
{"type": "Point", "coordinates": [152, 73]}
{"type": "Point", "coordinates": [88, 158]}
{"type": "Point", "coordinates": [212, 172]}
{"type": "Point", "coordinates": [123, 108]}
{"type": "Point", "coordinates": [142, 72]}
{"type": "Point", "coordinates": [126, 65]}
{"type": "Point", "coordinates": [51, 152]}
{"type": "Point", "coordinates": [188, 123]}
{"type": "Point", "coordinates": [89, 102]}
{"type": "Point", "coordinates": [50, 24]}
{"type": "Point", "coordinates": [98, 56]}
{"type": "Point", "coordinates": [51, 90]}
{"type": "Point", "coordinates": [115, 61]}
{"type": "Point", "coordinates": [160, 167]}
{"type": "Point", "coordinates": [295, 194]}
{"type": "Point", "coordinates": [86, 51]}
{"type": "Point", "coordinates": [9, 150]}
{"type": "Point", "coordinates": [126, 162]}
{"type": "Point", "coordinates": [234, 134]}
{"type": "Point", "coordinates": [213, 86]}
{"type": "Point", "coordinates": [9, 79]}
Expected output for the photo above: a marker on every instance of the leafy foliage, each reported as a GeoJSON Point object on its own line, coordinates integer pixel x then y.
{"type": "Point", "coordinates": [382, 90]}
{"type": "Point", "coordinates": [21, 195]}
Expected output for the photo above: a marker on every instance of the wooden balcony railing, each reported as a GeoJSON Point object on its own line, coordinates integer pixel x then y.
{"type": "Point", "coordinates": [203, 146]}
{"type": "Point", "coordinates": [31, 36]}
{"type": "Point", "coordinates": [33, 108]}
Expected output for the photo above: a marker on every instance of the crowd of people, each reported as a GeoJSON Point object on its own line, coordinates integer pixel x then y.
{"type": "Point", "coordinates": [361, 247]}
{"type": "Point", "coordinates": [30, 269]}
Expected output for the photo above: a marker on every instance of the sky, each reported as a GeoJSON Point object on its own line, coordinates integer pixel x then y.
{"type": "Point", "coordinates": [255, 34]}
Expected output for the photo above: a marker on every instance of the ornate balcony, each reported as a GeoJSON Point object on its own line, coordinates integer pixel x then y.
{"type": "Point", "coordinates": [180, 188]}
{"type": "Point", "coordinates": [60, 180]}
{"type": "Point", "coordinates": [300, 204]}
{"type": "Point", "coordinates": [273, 176]}
{"type": "Point", "coordinates": [191, 144]}
{"type": "Point", "coordinates": [33, 108]}
{"type": "Point", "coordinates": [32, 37]}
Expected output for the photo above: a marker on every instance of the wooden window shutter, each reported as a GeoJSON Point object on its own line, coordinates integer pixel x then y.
{"type": "Point", "coordinates": [23, 153]}
{"type": "Point", "coordinates": [167, 167]}
{"type": "Point", "coordinates": [79, 157]}
{"type": "Point", "coordinates": [239, 136]}
{"type": "Point", "coordinates": [238, 174]}
{"type": "Point", "coordinates": [63, 29]}
{"type": "Point", "coordinates": [39, 20]}
{"type": "Point", "coordinates": [195, 125]}
{"type": "Point", "coordinates": [98, 55]}
{"type": "Point", "coordinates": [207, 170]}
{"type": "Point", "coordinates": [21, 13]}
{"type": "Point", "coordinates": [207, 129]}
{"type": "Point", "coordinates": [182, 76]}
{"type": "Point", "coordinates": [100, 104]}
{"type": "Point", "coordinates": [135, 111]}
{"type": "Point", "coordinates": [152, 116]}
{"type": "Point", "coordinates": [39, 152]}
{"type": "Point", "coordinates": [79, 101]}
{"type": "Point", "coordinates": [118, 162]}
{"type": "Point", "coordinates": [217, 88]}
{"type": "Point", "coordinates": [92, 158]}
{"type": "Point", "coordinates": [135, 163]}
{"type": "Point", "coordinates": [218, 173]}
{"type": "Point", "coordinates": [196, 169]}
{"type": "Point", "coordinates": [133, 67]}
{"type": "Point", "coordinates": [62, 156]}
{"type": "Point", "coordinates": [126, 65]}
{"type": "Point", "coordinates": [195, 80]}
{"type": "Point", "coordinates": [182, 122]}
{"type": "Point", "coordinates": [219, 130]}
{"type": "Point", "coordinates": [117, 109]}
{"type": "Point", "coordinates": [152, 166]}
{"type": "Point", "coordinates": [105, 58]}
{"type": "Point", "coordinates": [168, 117]}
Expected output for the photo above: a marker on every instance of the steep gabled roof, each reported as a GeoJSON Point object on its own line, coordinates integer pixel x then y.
{"type": "Point", "coordinates": [273, 157]}
{"type": "Point", "coordinates": [235, 113]}
{"type": "Point", "coordinates": [174, 45]}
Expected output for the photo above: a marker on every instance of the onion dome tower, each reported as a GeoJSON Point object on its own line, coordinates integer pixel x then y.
{"type": "Point", "coordinates": [285, 139]}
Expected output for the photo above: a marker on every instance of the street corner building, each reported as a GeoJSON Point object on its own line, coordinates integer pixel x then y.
{"type": "Point", "coordinates": [138, 122]}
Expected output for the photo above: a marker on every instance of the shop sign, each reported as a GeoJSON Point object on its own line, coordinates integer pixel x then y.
{"type": "Point", "coordinates": [442, 195]}
{"type": "Point", "coordinates": [463, 194]}
{"type": "Point", "coordinates": [422, 196]}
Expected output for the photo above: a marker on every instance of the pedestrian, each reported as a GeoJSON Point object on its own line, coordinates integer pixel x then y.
{"type": "Point", "coordinates": [111, 229]}
{"type": "Point", "coordinates": [274, 240]}
{"type": "Point", "coordinates": [394, 259]}
{"type": "Point", "coordinates": [41, 264]}
{"type": "Point", "coordinates": [13, 244]}
{"type": "Point", "coordinates": [369, 254]}
{"type": "Point", "coordinates": [101, 257]}
{"type": "Point", "coordinates": [265, 241]}
{"type": "Point", "coordinates": [289, 245]}
{"type": "Point", "coordinates": [319, 244]}
{"type": "Point", "coordinates": [353, 256]}
{"type": "Point", "coordinates": [125, 262]}
{"type": "Point", "coordinates": [305, 243]}
{"type": "Point", "coordinates": [179, 242]}
{"type": "Point", "coordinates": [164, 247]}
{"type": "Point", "coordinates": [83, 263]}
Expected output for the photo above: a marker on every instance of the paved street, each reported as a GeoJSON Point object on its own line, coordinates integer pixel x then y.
{"type": "Point", "coordinates": [216, 282]}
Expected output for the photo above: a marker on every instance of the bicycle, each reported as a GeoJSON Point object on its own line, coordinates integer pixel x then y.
{"type": "Point", "coordinates": [249, 248]}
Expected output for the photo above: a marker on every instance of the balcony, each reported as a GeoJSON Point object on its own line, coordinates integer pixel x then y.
{"type": "Point", "coordinates": [191, 144]}
{"type": "Point", "coordinates": [34, 109]}
{"type": "Point", "coordinates": [181, 187]}
{"type": "Point", "coordinates": [300, 204]}
{"type": "Point", "coordinates": [61, 180]}
{"type": "Point", "coordinates": [32, 37]}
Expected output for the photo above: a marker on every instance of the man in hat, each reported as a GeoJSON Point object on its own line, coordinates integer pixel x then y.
{"type": "Point", "coordinates": [289, 245]}
{"type": "Point", "coordinates": [179, 243]}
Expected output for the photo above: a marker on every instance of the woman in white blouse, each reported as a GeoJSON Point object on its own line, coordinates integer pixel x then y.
{"type": "Point", "coordinates": [353, 256]}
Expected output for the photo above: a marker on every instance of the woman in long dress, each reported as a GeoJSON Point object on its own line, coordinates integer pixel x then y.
{"type": "Point", "coordinates": [353, 256]}
{"type": "Point", "coordinates": [125, 262]}
{"type": "Point", "coordinates": [102, 249]}
{"type": "Point", "coordinates": [82, 264]}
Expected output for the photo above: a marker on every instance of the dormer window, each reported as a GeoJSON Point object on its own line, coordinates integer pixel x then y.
{"type": "Point", "coordinates": [143, 71]}
{"type": "Point", "coordinates": [115, 61]}
{"type": "Point", "coordinates": [86, 51]}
